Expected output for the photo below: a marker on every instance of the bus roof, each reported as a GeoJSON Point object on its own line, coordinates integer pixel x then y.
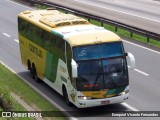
{"type": "Point", "coordinates": [77, 31]}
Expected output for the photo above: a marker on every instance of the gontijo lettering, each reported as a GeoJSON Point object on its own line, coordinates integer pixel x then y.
{"type": "Point", "coordinates": [35, 50]}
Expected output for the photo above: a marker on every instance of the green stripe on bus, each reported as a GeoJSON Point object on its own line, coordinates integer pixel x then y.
{"type": "Point", "coordinates": [48, 67]}
{"type": "Point", "coordinates": [116, 91]}
{"type": "Point", "coordinates": [112, 91]}
{"type": "Point", "coordinates": [51, 67]}
{"type": "Point", "coordinates": [64, 79]}
{"type": "Point", "coordinates": [57, 34]}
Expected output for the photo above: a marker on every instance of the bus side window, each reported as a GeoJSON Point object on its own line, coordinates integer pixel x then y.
{"type": "Point", "coordinates": [68, 58]}
{"type": "Point", "coordinates": [22, 26]}
{"type": "Point", "coordinates": [61, 48]}
{"type": "Point", "coordinates": [31, 33]}
{"type": "Point", "coordinates": [46, 37]}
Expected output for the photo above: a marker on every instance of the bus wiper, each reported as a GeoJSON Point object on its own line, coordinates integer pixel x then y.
{"type": "Point", "coordinates": [88, 60]}
{"type": "Point", "coordinates": [96, 80]}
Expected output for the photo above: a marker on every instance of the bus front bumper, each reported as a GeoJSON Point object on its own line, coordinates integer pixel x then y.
{"type": "Point", "coordinates": [100, 102]}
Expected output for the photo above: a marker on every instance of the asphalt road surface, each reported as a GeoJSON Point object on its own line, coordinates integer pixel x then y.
{"type": "Point", "coordinates": [144, 80]}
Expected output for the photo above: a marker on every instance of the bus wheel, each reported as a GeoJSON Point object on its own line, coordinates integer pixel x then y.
{"type": "Point", "coordinates": [29, 65]}
{"type": "Point", "coordinates": [65, 95]}
{"type": "Point", "coordinates": [34, 73]}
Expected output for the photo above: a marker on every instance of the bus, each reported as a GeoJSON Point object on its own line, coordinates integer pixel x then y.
{"type": "Point", "coordinates": [84, 63]}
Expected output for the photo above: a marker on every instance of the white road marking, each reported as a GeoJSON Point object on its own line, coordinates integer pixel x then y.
{"type": "Point", "coordinates": [141, 46]}
{"type": "Point", "coordinates": [121, 2]}
{"type": "Point", "coordinates": [16, 40]}
{"type": "Point", "coordinates": [153, 1]}
{"type": "Point", "coordinates": [130, 107]}
{"type": "Point", "coordinates": [7, 67]}
{"type": "Point", "coordinates": [117, 11]}
{"type": "Point", "coordinates": [6, 34]}
{"type": "Point", "coordinates": [146, 74]}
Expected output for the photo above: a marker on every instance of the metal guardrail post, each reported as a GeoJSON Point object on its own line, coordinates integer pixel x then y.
{"type": "Point", "coordinates": [116, 28]}
{"type": "Point", "coordinates": [89, 19]}
{"type": "Point", "coordinates": [101, 24]}
{"type": "Point", "coordinates": [148, 39]}
{"type": "Point", "coordinates": [131, 34]}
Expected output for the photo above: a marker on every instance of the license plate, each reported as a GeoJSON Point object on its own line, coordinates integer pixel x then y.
{"type": "Point", "coordinates": [105, 102]}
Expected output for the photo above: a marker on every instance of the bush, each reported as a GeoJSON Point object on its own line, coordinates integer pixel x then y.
{"type": "Point", "coordinates": [5, 99]}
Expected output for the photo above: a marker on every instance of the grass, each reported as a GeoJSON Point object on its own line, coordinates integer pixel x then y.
{"type": "Point", "coordinates": [38, 6]}
{"type": "Point", "coordinates": [109, 27]}
{"type": "Point", "coordinates": [139, 38]}
{"type": "Point", "coordinates": [2, 118]}
{"type": "Point", "coordinates": [13, 83]}
{"type": "Point", "coordinates": [95, 22]}
{"type": "Point", "coordinates": [154, 43]}
{"type": "Point", "coordinates": [10, 102]}
{"type": "Point", "coordinates": [124, 32]}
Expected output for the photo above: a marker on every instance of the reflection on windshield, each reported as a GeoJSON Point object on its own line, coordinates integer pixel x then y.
{"type": "Point", "coordinates": [102, 74]}
{"type": "Point", "coordinates": [90, 75]}
{"type": "Point", "coordinates": [97, 51]}
{"type": "Point", "coordinates": [115, 72]}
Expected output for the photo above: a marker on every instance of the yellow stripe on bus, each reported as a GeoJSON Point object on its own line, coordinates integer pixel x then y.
{"type": "Point", "coordinates": [34, 53]}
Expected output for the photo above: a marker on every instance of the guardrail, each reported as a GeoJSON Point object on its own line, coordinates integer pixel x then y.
{"type": "Point", "coordinates": [149, 35]}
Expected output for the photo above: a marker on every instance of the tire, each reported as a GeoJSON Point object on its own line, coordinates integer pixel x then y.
{"type": "Point", "coordinates": [65, 95]}
{"type": "Point", "coordinates": [29, 66]}
{"type": "Point", "coordinates": [34, 73]}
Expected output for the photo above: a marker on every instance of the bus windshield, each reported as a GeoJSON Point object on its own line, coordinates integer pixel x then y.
{"type": "Point", "coordinates": [98, 51]}
{"type": "Point", "coordinates": [101, 66]}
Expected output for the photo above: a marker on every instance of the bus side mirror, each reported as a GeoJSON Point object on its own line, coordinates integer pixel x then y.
{"type": "Point", "coordinates": [132, 60]}
{"type": "Point", "coordinates": [74, 69]}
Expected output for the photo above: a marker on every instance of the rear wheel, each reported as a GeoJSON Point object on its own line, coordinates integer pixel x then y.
{"type": "Point", "coordinates": [34, 73]}
{"type": "Point", "coordinates": [65, 95]}
{"type": "Point", "coordinates": [29, 65]}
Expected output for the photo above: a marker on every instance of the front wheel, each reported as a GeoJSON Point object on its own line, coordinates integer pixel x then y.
{"type": "Point", "coordinates": [65, 95]}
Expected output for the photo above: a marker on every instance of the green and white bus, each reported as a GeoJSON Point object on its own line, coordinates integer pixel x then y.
{"type": "Point", "coordinates": [83, 62]}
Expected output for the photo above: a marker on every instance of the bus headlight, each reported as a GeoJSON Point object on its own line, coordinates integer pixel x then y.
{"type": "Point", "coordinates": [124, 92]}
{"type": "Point", "coordinates": [84, 98]}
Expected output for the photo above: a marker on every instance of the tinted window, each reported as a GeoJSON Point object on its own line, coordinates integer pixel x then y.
{"type": "Point", "coordinates": [97, 51]}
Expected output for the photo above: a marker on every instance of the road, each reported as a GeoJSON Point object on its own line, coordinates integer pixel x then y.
{"type": "Point", "coordinates": [144, 80]}
{"type": "Point", "coordinates": [139, 13]}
